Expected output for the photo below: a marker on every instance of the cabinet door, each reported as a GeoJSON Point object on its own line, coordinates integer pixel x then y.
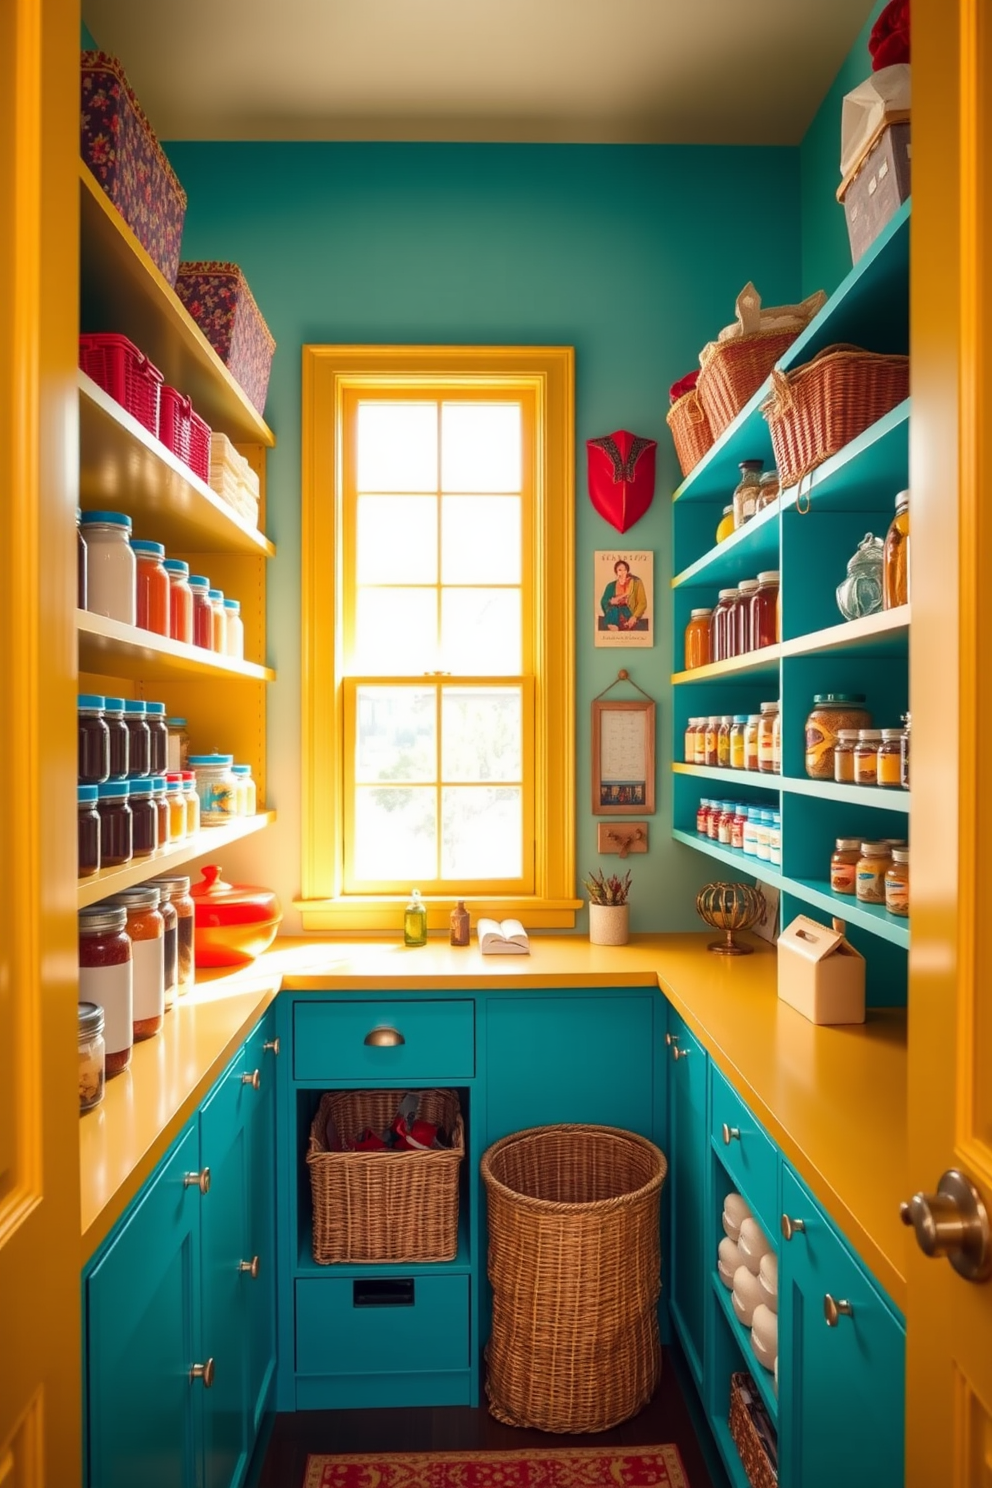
{"type": "Point", "coordinates": [842, 1394]}
{"type": "Point", "coordinates": [142, 1406]}
{"type": "Point", "coordinates": [692, 1248]}
{"type": "Point", "coordinates": [261, 1156]}
{"type": "Point", "coordinates": [570, 1058]}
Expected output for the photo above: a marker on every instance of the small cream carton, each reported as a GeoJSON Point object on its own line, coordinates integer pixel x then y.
{"type": "Point", "coordinates": [820, 973]}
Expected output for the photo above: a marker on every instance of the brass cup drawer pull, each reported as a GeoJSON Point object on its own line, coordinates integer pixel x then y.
{"type": "Point", "coordinates": [730, 1134]}
{"type": "Point", "coordinates": [792, 1227]}
{"type": "Point", "coordinates": [384, 1037]}
{"type": "Point", "coordinates": [252, 1078]}
{"type": "Point", "coordinates": [250, 1268]}
{"type": "Point", "coordinates": [671, 1038]}
{"type": "Point", "coordinates": [271, 1046]}
{"type": "Point", "coordinates": [204, 1372]}
{"type": "Point", "coordinates": [199, 1180]}
{"type": "Point", "coordinates": [833, 1310]}
{"type": "Point", "coordinates": [678, 1053]}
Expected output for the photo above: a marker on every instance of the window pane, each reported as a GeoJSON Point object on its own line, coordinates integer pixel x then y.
{"type": "Point", "coordinates": [397, 540]}
{"type": "Point", "coordinates": [481, 832]}
{"type": "Point", "coordinates": [480, 630]}
{"type": "Point", "coordinates": [480, 540]}
{"type": "Point", "coordinates": [395, 734]}
{"type": "Point", "coordinates": [480, 447]}
{"type": "Point", "coordinates": [395, 630]}
{"type": "Point", "coordinates": [397, 446]}
{"type": "Point", "coordinates": [395, 833]}
{"type": "Point", "coordinates": [480, 733]}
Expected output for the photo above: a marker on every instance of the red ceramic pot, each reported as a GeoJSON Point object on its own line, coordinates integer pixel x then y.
{"type": "Point", "coordinates": [234, 922]}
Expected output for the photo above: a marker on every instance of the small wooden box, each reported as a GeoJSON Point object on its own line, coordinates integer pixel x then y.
{"type": "Point", "coordinates": [875, 189]}
{"type": "Point", "coordinates": [820, 973]}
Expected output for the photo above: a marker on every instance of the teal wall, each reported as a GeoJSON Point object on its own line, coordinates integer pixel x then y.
{"type": "Point", "coordinates": [633, 255]}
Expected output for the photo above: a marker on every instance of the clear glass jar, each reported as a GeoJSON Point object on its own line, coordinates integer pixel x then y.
{"type": "Point", "coordinates": [218, 623]}
{"type": "Point", "coordinates": [768, 489]}
{"type": "Point", "coordinates": [116, 844]}
{"type": "Point", "coordinates": [724, 823]}
{"type": "Point", "coordinates": [93, 766]}
{"type": "Point", "coordinates": [216, 787]}
{"type": "Point", "coordinates": [711, 752]}
{"type": "Point", "coordinates": [871, 869]}
{"type": "Point", "coordinates": [720, 626]}
{"type": "Point", "coordinates": [737, 728]}
{"type": "Point", "coordinates": [904, 751]}
{"type": "Point", "coordinates": [92, 1056]}
{"type": "Point", "coordinates": [697, 639]}
{"type": "Point", "coordinates": [751, 741]}
{"type": "Point", "coordinates": [177, 807]}
{"type": "Point", "coordinates": [151, 587]}
{"type": "Point", "coordinates": [170, 944]}
{"type": "Point", "coordinates": [866, 756]}
{"type": "Point", "coordinates": [144, 818]}
{"type": "Point", "coordinates": [726, 524]}
{"type": "Point", "coordinates": [180, 601]}
{"type": "Point", "coordinates": [234, 631]}
{"type": "Point", "coordinates": [723, 742]}
{"type": "Point", "coordinates": [832, 711]}
{"type": "Point", "coordinates": [158, 738]}
{"type": "Point", "coordinates": [415, 921]}
{"type": "Point", "coordinates": [737, 827]}
{"type": "Point", "coordinates": [766, 724]}
{"type": "Point", "coordinates": [775, 840]}
{"type": "Point", "coordinates": [844, 756]}
{"type": "Point", "coordinates": [703, 815]}
{"type": "Point", "coordinates": [895, 560]}
{"type": "Point", "coordinates": [741, 616]}
{"type": "Point", "coordinates": [88, 831]}
{"type": "Point", "coordinates": [777, 743]}
{"type": "Point", "coordinates": [203, 615]}
{"type": "Point", "coordinates": [247, 804]}
{"type": "Point", "coordinates": [139, 749]}
{"type": "Point", "coordinates": [177, 886]}
{"type": "Point", "coordinates": [177, 750]}
{"type": "Point", "coordinates": [689, 742]}
{"type": "Point", "coordinates": [192, 798]}
{"type": "Point", "coordinates": [120, 739]}
{"type": "Point", "coordinates": [161, 798]}
{"type": "Point", "coordinates": [146, 930]}
{"type": "Point", "coordinates": [713, 820]}
{"type": "Point", "coordinates": [746, 493]}
{"type": "Point", "coordinates": [844, 865]}
{"type": "Point", "coordinates": [764, 611]}
{"type": "Point", "coordinates": [105, 978]}
{"type": "Point", "coordinates": [750, 835]}
{"type": "Point", "coordinates": [889, 760]}
{"type": "Point", "coordinates": [897, 882]}
{"type": "Point", "coordinates": [761, 849]}
{"type": "Point", "coordinates": [110, 565]}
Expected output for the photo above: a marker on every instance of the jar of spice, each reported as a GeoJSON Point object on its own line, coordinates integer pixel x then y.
{"type": "Point", "coordinates": [726, 524]}
{"type": "Point", "coordinates": [844, 865]}
{"type": "Point", "coordinates": [116, 843]}
{"type": "Point", "coordinates": [151, 587]}
{"type": "Point", "coordinates": [746, 492]}
{"type": "Point", "coordinates": [234, 630]}
{"type": "Point", "coordinates": [777, 743]}
{"type": "Point", "coordinates": [180, 601]}
{"type": "Point", "coordinates": [904, 752]}
{"type": "Point", "coordinates": [92, 1056]}
{"type": "Point", "coordinates": [721, 639]}
{"type": "Point", "coordinates": [766, 723]}
{"type": "Point", "coordinates": [177, 887]}
{"type": "Point", "coordinates": [897, 882]}
{"type": "Point", "coordinates": [697, 639]}
{"type": "Point", "coordinates": [170, 943]}
{"type": "Point", "coordinates": [751, 741]}
{"type": "Point", "coordinates": [713, 820]}
{"type": "Point", "coordinates": [723, 742]}
{"type": "Point", "coordinates": [725, 824]}
{"type": "Point", "coordinates": [218, 791]}
{"type": "Point", "coordinates": [737, 728]}
{"type": "Point", "coordinates": [775, 840]}
{"type": "Point", "coordinates": [866, 756]}
{"type": "Point", "coordinates": [247, 795]}
{"type": "Point", "coordinates": [105, 978]}
{"type": "Point", "coordinates": [750, 835]}
{"type": "Point", "coordinates": [889, 759]}
{"type": "Point", "coordinates": [768, 489]}
{"type": "Point", "coordinates": [741, 613]}
{"type": "Point", "coordinates": [144, 818]}
{"type": "Point", "coordinates": [702, 815]}
{"type": "Point", "coordinates": [158, 736]}
{"type": "Point", "coordinates": [844, 756]}
{"type": "Point", "coordinates": [203, 615]}
{"type": "Point", "coordinates": [177, 807]}
{"type": "Point", "coordinates": [699, 742]}
{"type": "Point", "coordinates": [161, 799]}
{"type": "Point", "coordinates": [178, 744]}
{"type": "Point", "coordinates": [120, 739]}
{"type": "Point", "coordinates": [832, 711]}
{"type": "Point", "coordinates": [710, 753]}
{"type": "Point", "coordinates": [88, 831]}
{"type": "Point", "coordinates": [192, 802]}
{"type": "Point", "coordinates": [895, 558]}
{"type": "Point", "coordinates": [94, 740]}
{"type": "Point", "coordinates": [872, 865]}
{"type": "Point", "coordinates": [737, 826]}
{"type": "Point", "coordinates": [218, 623]}
{"type": "Point", "coordinates": [139, 738]}
{"type": "Point", "coordinates": [146, 930]}
{"type": "Point", "coordinates": [689, 742]}
{"type": "Point", "coordinates": [764, 611]}
{"type": "Point", "coordinates": [110, 565]}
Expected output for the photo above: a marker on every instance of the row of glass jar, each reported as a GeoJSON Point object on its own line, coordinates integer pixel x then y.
{"type": "Point", "coordinates": [755, 830]}
{"type": "Point", "coordinates": [755, 490]}
{"type": "Point", "coordinates": [736, 741]}
{"type": "Point", "coordinates": [843, 745]}
{"type": "Point", "coordinates": [873, 872]}
{"type": "Point", "coordinates": [135, 959]}
{"type": "Point", "coordinates": [131, 580]}
{"type": "Point", "coordinates": [120, 738]}
{"type": "Point", "coordinates": [744, 619]}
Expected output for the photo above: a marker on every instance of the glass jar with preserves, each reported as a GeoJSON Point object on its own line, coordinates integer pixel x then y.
{"type": "Point", "coordinates": [746, 492]}
{"type": "Point", "coordinates": [247, 796]}
{"type": "Point", "coordinates": [192, 802]}
{"type": "Point", "coordinates": [832, 711]}
{"type": "Point", "coordinates": [726, 524]}
{"type": "Point", "coordinates": [170, 943]}
{"type": "Point", "coordinates": [764, 611]}
{"type": "Point", "coordinates": [218, 621]}
{"type": "Point", "coordinates": [689, 741]}
{"type": "Point", "coordinates": [92, 1056]}
{"type": "Point", "coordinates": [741, 616]}
{"type": "Point", "coordinates": [720, 639]}
{"type": "Point", "coordinates": [116, 844]}
{"type": "Point", "coordinates": [777, 743]}
{"type": "Point", "coordinates": [158, 737]}
{"type": "Point", "coordinates": [144, 818]}
{"type": "Point", "coordinates": [866, 756]}
{"type": "Point", "coordinates": [751, 741]}
{"type": "Point", "coordinates": [234, 630]}
{"type": "Point", "coordinates": [895, 559]}
{"type": "Point", "coordinates": [110, 565]}
{"type": "Point", "coordinates": [218, 791]}
{"type": "Point", "coordinates": [723, 741]}
{"type": "Point", "coordinates": [844, 865]}
{"type": "Point", "coordinates": [697, 639]}
{"type": "Point", "coordinates": [105, 978]}
{"type": "Point", "coordinates": [872, 864]}
{"type": "Point", "coordinates": [180, 601]}
{"type": "Point", "coordinates": [120, 739]}
{"type": "Point", "coordinates": [178, 745]}
{"type": "Point", "coordinates": [904, 752]}
{"type": "Point", "coordinates": [177, 807]}
{"type": "Point", "coordinates": [146, 930]}
{"type": "Point", "coordinates": [710, 746]}
{"type": "Point", "coordinates": [139, 738]}
{"type": "Point", "coordinates": [768, 489]}
{"type": "Point", "coordinates": [766, 725]}
{"type": "Point", "coordinates": [93, 765]}
{"type": "Point", "coordinates": [844, 756]}
{"type": "Point", "coordinates": [737, 728]}
{"type": "Point", "coordinates": [161, 798]}
{"type": "Point", "coordinates": [177, 885]}
{"type": "Point", "coordinates": [203, 615]}
{"type": "Point", "coordinates": [889, 760]}
{"type": "Point", "coordinates": [88, 831]}
{"type": "Point", "coordinates": [897, 882]}
{"type": "Point", "coordinates": [151, 587]}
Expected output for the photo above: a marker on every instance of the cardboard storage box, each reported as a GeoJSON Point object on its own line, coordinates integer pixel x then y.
{"type": "Point", "coordinates": [820, 973]}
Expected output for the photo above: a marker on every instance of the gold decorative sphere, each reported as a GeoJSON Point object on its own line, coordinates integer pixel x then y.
{"type": "Point", "coordinates": [730, 907]}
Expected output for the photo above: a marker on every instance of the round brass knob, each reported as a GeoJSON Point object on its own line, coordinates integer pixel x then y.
{"type": "Point", "coordinates": [272, 1046]}
{"type": "Point", "coordinates": [834, 1310]}
{"type": "Point", "coordinates": [384, 1037]}
{"type": "Point", "coordinates": [730, 1134]}
{"type": "Point", "coordinates": [678, 1053]}
{"type": "Point", "coordinates": [251, 1268]}
{"type": "Point", "coordinates": [792, 1227]}
{"type": "Point", "coordinates": [198, 1180]}
{"type": "Point", "coordinates": [252, 1078]}
{"type": "Point", "coordinates": [204, 1372]}
{"type": "Point", "coordinates": [952, 1224]}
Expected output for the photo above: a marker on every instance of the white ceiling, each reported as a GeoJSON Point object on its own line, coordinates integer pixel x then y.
{"type": "Point", "coordinates": [703, 71]}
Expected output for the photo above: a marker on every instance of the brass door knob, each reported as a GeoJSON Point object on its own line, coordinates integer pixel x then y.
{"type": "Point", "coordinates": [953, 1223]}
{"type": "Point", "coordinates": [833, 1310]}
{"type": "Point", "coordinates": [792, 1227]}
{"type": "Point", "coordinates": [272, 1045]}
{"type": "Point", "coordinates": [199, 1180]}
{"type": "Point", "coordinates": [252, 1078]}
{"type": "Point", "coordinates": [384, 1037]}
{"type": "Point", "coordinates": [678, 1053]}
{"type": "Point", "coordinates": [730, 1134]}
{"type": "Point", "coordinates": [204, 1372]}
{"type": "Point", "coordinates": [251, 1268]}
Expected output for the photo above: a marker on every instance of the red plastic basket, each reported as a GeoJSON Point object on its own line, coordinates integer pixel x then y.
{"type": "Point", "coordinates": [116, 364]}
{"type": "Point", "coordinates": [182, 430]}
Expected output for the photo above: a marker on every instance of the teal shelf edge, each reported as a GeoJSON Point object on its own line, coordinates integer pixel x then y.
{"type": "Point", "coordinates": [748, 547]}
{"type": "Point", "coordinates": [872, 917]}
{"type": "Point", "coordinates": [729, 777]}
{"type": "Point", "coordinates": [307, 1266]}
{"type": "Point", "coordinates": [884, 634]}
{"type": "Point", "coordinates": [877, 460]}
{"type": "Point", "coordinates": [733, 857]}
{"type": "Point", "coordinates": [761, 1377]}
{"type": "Point", "coordinates": [753, 666]}
{"type": "Point", "coordinates": [849, 795]}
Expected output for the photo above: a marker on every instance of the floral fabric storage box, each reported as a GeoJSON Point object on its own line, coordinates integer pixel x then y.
{"type": "Point", "coordinates": [119, 146]}
{"type": "Point", "coordinates": [219, 300]}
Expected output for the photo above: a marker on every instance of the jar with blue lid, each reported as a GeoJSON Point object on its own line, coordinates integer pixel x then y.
{"type": "Point", "coordinates": [144, 817]}
{"type": "Point", "coordinates": [120, 739]}
{"type": "Point", "coordinates": [110, 565]}
{"type": "Point", "coordinates": [89, 830]}
{"type": "Point", "coordinates": [94, 739]}
{"type": "Point", "coordinates": [158, 737]}
{"type": "Point", "coordinates": [139, 738]}
{"type": "Point", "coordinates": [247, 800]}
{"type": "Point", "coordinates": [116, 844]}
{"type": "Point", "coordinates": [216, 787]}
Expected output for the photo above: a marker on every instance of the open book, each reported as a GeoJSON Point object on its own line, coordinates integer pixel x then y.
{"type": "Point", "coordinates": [502, 938]}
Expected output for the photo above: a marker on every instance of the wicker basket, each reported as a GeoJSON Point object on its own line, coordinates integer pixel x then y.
{"type": "Point", "coordinates": [575, 1262]}
{"type": "Point", "coordinates": [733, 371]}
{"type": "Point", "coordinates": [690, 430]}
{"type": "Point", "coordinates": [744, 1400]}
{"type": "Point", "coordinates": [384, 1206]}
{"type": "Point", "coordinates": [820, 407]}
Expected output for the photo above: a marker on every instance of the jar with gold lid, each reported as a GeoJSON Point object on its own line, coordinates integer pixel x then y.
{"type": "Point", "coordinates": [751, 741]}
{"type": "Point", "coordinates": [766, 725]}
{"type": "Point", "coordinates": [889, 760]}
{"type": "Point", "coordinates": [897, 882]}
{"type": "Point", "coordinates": [866, 756]}
{"type": "Point", "coordinates": [844, 756]}
{"type": "Point", "coordinates": [844, 865]}
{"type": "Point", "coordinates": [697, 639]}
{"type": "Point", "coordinates": [872, 865]}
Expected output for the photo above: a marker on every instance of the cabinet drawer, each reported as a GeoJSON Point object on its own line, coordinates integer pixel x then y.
{"type": "Point", "coordinates": [436, 1041]}
{"type": "Point", "coordinates": [381, 1325]}
{"type": "Point", "coordinates": [748, 1155]}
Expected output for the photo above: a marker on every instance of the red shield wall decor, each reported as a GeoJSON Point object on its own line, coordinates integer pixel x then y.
{"type": "Point", "coordinates": [621, 477]}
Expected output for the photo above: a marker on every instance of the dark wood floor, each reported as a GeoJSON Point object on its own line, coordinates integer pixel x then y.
{"type": "Point", "coordinates": [452, 1428]}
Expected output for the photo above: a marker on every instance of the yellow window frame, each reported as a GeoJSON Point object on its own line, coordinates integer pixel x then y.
{"type": "Point", "coordinates": [331, 377]}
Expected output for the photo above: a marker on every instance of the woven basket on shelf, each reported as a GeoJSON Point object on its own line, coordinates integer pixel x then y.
{"type": "Point", "coordinates": [759, 1470]}
{"type": "Point", "coordinates": [690, 430]}
{"type": "Point", "coordinates": [818, 408]}
{"type": "Point", "coordinates": [384, 1206]}
{"type": "Point", "coordinates": [575, 1266]}
{"type": "Point", "coordinates": [731, 373]}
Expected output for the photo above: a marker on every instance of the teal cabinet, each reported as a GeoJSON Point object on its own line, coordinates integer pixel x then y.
{"type": "Point", "coordinates": [261, 1053]}
{"type": "Point", "coordinates": [689, 1200]}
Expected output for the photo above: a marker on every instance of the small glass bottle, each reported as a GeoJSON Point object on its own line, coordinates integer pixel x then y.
{"type": "Point", "coordinates": [218, 624]}
{"type": "Point", "coordinates": [713, 820]}
{"type": "Point", "coordinates": [216, 788]}
{"type": "Point", "coordinates": [120, 739]}
{"type": "Point", "coordinates": [689, 742]}
{"type": "Point", "coordinates": [723, 741]}
{"type": "Point", "coordinates": [761, 848]}
{"type": "Point", "coordinates": [712, 757]}
{"type": "Point", "coordinates": [768, 489]}
{"type": "Point", "coordinates": [844, 756]}
{"type": "Point", "coordinates": [766, 722]}
{"type": "Point", "coordinates": [866, 756]}
{"type": "Point", "coordinates": [144, 818]}
{"type": "Point", "coordinates": [775, 840]}
{"type": "Point", "coordinates": [170, 943]}
{"type": "Point", "coordinates": [904, 751]}
{"type": "Point", "coordinates": [720, 639]}
{"type": "Point", "coordinates": [702, 816]}
{"type": "Point", "coordinates": [139, 738]}
{"type": "Point", "coordinates": [247, 804]}
{"type": "Point", "coordinates": [234, 631]}
{"type": "Point", "coordinates": [105, 978]}
{"type": "Point", "coordinates": [777, 743]}
{"type": "Point", "coordinates": [889, 760]}
{"type": "Point", "coordinates": [177, 807]}
{"type": "Point", "coordinates": [180, 601]}
{"type": "Point", "coordinates": [158, 738]}
{"type": "Point", "coordinates": [192, 802]}
{"type": "Point", "coordinates": [146, 930]}
{"type": "Point", "coordinates": [725, 822]}
{"type": "Point", "coordinates": [746, 493]}
{"type": "Point", "coordinates": [699, 744]}
{"type": "Point", "coordinates": [151, 587]}
{"type": "Point", "coordinates": [115, 823]}
{"type": "Point", "coordinates": [737, 741]}
{"type": "Point", "coordinates": [460, 923]}
{"type": "Point", "coordinates": [697, 639]}
{"type": "Point", "coordinates": [92, 1056]}
{"type": "Point", "coordinates": [160, 796]}
{"type": "Point", "coordinates": [764, 611]}
{"type": "Point", "coordinates": [110, 565]}
{"type": "Point", "coordinates": [415, 921]}
{"type": "Point", "coordinates": [737, 827]}
{"type": "Point", "coordinates": [741, 621]}
{"type": "Point", "coordinates": [844, 865]}
{"type": "Point", "coordinates": [751, 741]}
{"type": "Point", "coordinates": [177, 887]}
{"type": "Point", "coordinates": [203, 615]}
{"type": "Point", "coordinates": [93, 766]}
{"type": "Point", "coordinates": [895, 557]}
{"type": "Point", "coordinates": [88, 831]}
{"type": "Point", "coordinates": [897, 882]}
{"type": "Point", "coordinates": [177, 750]}
{"type": "Point", "coordinates": [750, 836]}
{"type": "Point", "coordinates": [726, 524]}
{"type": "Point", "coordinates": [872, 865]}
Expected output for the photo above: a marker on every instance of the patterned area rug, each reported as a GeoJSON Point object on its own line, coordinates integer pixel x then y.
{"type": "Point", "coordinates": [582, 1467]}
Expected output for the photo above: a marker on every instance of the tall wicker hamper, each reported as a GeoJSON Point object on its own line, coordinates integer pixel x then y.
{"type": "Point", "coordinates": [575, 1266]}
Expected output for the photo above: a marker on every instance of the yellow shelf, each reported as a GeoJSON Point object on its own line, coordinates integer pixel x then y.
{"type": "Point", "coordinates": [207, 842]}
{"type": "Point", "coordinates": [124, 467]}
{"type": "Point", "coordinates": [753, 665]}
{"type": "Point", "coordinates": [122, 290]}
{"type": "Point", "coordinates": [116, 650]}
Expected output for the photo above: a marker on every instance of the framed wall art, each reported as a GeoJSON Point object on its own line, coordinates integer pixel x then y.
{"type": "Point", "coordinates": [623, 585]}
{"type": "Point", "coordinates": [623, 754]}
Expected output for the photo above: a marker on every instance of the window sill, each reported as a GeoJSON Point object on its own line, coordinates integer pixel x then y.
{"type": "Point", "coordinates": [355, 913]}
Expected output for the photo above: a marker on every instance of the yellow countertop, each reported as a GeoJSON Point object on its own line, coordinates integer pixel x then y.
{"type": "Point", "coordinates": [834, 1099]}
